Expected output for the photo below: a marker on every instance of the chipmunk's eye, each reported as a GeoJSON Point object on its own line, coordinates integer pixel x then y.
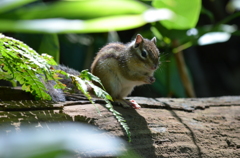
{"type": "Point", "coordinates": [144, 53]}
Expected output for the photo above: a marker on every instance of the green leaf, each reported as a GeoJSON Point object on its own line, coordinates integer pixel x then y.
{"type": "Point", "coordinates": [6, 5]}
{"type": "Point", "coordinates": [27, 88]}
{"type": "Point", "coordinates": [50, 45]}
{"type": "Point", "coordinates": [100, 93]}
{"type": "Point", "coordinates": [86, 76]}
{"type": "Point", "coordinates": [59, 85]}
{"type": "Point", "coordinates": [117, 23]}
{"type": "Point", "coordinates": [186, 13]}
{"type": "Point", "coordinates": [80, 83]}
{"type": "Point", "coordinates": [49, 59]}
{"type": "Point", "coordinates": [81, 17]}
{"type": "Point", "coordinates": [90, 77]}
{"type": "Point", "coordinates": [79, 9]}
{"type": "Point", "coordinates": [25, 65]}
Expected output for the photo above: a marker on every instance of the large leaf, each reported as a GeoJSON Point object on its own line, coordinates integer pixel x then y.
{"type": "Point", "coordinates": [81, 17]}
{"type": "Point", "coordinates": [86, 9]}
{"type": "Point", "coordinates": [186, 13]}
{"type": "Point", "coordinates": [105, 24]}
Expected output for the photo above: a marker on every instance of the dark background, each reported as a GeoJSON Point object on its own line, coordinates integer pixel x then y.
{"type": "Point", "coordinates": [214, 69]}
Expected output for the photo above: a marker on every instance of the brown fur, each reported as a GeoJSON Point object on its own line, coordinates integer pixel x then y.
{"type": "Point", "coordinates": [121, 67]}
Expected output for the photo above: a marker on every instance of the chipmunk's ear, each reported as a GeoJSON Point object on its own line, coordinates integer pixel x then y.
{"type": "Point", "coordinates": [154, 40]}
{"type": "Point", "coordinates": [138, 41]}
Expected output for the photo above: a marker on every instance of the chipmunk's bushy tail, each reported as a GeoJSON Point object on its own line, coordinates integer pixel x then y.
{"type": "Point", "coordinates": [57, 94]}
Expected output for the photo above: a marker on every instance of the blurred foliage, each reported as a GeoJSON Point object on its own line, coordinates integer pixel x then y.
{"type": "Point", "coordinates": [54, 26]}
{"type": "Point", "coordinates": [65, 139]}
{"type": "Point", "coordinates": [183, 19]}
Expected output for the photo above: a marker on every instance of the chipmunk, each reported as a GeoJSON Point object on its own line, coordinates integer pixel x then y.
{"type": "Point", "coordinates": [121, 67]}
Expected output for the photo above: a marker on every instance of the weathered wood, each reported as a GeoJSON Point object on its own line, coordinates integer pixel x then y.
{"type": "Point", "coordinates": [14, 93]}
{"type": "Point", "coordinates": [164, 127]}
{"type": "Point", "coordinates": [26, 105]}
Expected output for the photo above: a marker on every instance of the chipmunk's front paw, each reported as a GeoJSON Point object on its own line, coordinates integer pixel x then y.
{"type": "Point", "coordinates": [149, 79]}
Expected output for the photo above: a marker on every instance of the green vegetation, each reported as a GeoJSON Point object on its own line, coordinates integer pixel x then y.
{"type": "Point", "coordinates": [173, 22]}
{"type": "Point", "coordinates": [21, 63]}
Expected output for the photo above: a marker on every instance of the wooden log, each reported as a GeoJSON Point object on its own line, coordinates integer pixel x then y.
{"type": "Point", "coordinates": [163, 127]}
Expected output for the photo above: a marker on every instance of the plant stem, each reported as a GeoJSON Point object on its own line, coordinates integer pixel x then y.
{"type": "Point", "coordinates": [182, 68]}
